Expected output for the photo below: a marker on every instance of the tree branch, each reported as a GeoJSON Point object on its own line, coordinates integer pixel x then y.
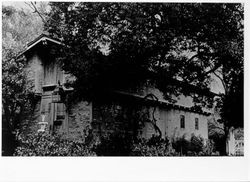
{"type": "Point", "coordinates": [194, 56]}
{"type": "Point", "coordinates": [36, 11]}
{"type": "Point", "coordinates": [154, 120]}
{"type": "Point", "coordinates": [222, 81]}
{"type": "Point", "coordinates": [213, 69]}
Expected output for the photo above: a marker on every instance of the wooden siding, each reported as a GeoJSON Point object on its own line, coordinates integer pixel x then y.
{"type": "Point", "coordinates": [52, 73]}
{"type": "Point", "coordinates": [35, 71]}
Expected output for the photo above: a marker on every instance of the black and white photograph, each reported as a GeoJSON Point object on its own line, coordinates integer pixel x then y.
{"type": "Point", "coordinates": [122, 79]}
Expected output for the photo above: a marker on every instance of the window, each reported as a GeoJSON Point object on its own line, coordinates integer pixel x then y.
{"type": "Point", "coordinates": [196, 123]}
{"type": "Point", "coordinates": [182, 121]}
{"type": "Point", "coordinates": [49, 109]}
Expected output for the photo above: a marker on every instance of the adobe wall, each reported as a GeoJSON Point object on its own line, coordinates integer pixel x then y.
{"type": "Point", "coordinates": [174, 129]}
{"type": "Point", "coordinates": [169, 123]}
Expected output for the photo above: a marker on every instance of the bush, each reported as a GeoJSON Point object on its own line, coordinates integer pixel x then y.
{"type": "Point", "coordinates": [116, 144]}
{"type": "Point", "coordinates": [196, 144]}
{"type": "Point", "coordinates": [41, 144]}
{"type": "Point", "coordinates": [154, 146]}
{"type": "Point", "coordinates": [9, 143]}
{"type": "Point", "coordinates": [181, 145]}
{"type": "Point", "coordinates": [193, 147]}
{"type": "Point", "coordinates": [209, 148]}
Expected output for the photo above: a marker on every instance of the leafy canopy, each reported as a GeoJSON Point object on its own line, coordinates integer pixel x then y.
{"type": "Point", "coordinates": [173, 46]}
{"type": "Point", "coordinates": [115, 45]}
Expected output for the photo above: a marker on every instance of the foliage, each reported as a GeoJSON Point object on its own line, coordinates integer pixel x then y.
{"type": "Point", "coordinates": [129, 43]}
{"type": "Point", "coordinates": [123, 145]}
{"type": "Point", "coordinates": [125, 114]}
{"type": "Point", "coordinates": [209, 148]}
{"type": "Point", "coordinates": [15, 87]}
{"type": "Point", "coordinates": [18, 27]}
{"type": "Point", "coordinates": [194, 146]}
{"type": "Point", "coordinates": [154, 146]}
{"type": "Point", "coordinates": [181, 145]}
{"type": "Point", "coordinates": [42, 144]}
{"type": "Point", "coordinates": [232, 109]}
{"type": "Point", "coordinates": [115, 144]}
{"type": "Point", "coordinates": [216, 133]}
{"type": "Point", "coordinates": [124, 45]}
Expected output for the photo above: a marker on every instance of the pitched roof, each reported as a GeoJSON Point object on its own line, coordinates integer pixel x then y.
{"type": "Point", "coordinates": [36, 41]}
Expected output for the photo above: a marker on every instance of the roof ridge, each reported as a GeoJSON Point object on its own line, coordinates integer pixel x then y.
{"type": "Point", "coordinates": [44, 34]}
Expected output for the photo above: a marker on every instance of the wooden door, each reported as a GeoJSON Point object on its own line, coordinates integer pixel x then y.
{"type": "Point", "coordinates": [59, 118]}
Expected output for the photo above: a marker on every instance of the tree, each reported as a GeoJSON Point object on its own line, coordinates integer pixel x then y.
{"type": "Point", "coordinates": [18, 27]}
{"type": "Point", "coordinates": [123, 45]}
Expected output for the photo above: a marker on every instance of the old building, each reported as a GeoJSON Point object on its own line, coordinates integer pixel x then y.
{"type": "Point", "coordinates": [173, 120]}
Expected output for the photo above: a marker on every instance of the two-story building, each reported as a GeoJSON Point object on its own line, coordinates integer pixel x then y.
{"type": "Point", "coordinates": [48, 78]}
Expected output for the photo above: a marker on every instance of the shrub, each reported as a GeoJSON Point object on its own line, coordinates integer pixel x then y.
{"type": "Point", "coordinates": [193, 147]}
{"type": "Point", "coordinates": [154, 146]}
{"type": "Point", "coordinates": [181, 145]}
{"type": "Point", "coordinates": [196, 144]}
{"type": "Point", "coordinates": [209, 148]}
{"type": "Point", "coordinates": [41, 144]}
{"type": "Point", "coordinates": [116, 144]}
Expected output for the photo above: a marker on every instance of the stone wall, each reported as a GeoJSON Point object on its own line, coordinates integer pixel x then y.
{"type": "Point", "coordinates": [80, 117]}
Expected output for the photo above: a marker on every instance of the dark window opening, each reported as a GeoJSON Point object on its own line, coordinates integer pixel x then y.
{"type": "Point", "coordinates": [196, 123]}
{"type": "Point", "coordinates": [182, 121]}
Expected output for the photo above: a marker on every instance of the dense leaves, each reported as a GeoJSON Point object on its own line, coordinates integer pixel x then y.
{"type": "Point", "coordinates": [196, 146]}
{"type": "Point", "coordinates": [42, 144]}
{"type": "Point", "coordinates": [114, 145]}
{"type": "Point", "coordinates": [114, 45]}
{"type": "Point", "coordinates": [154, 146]}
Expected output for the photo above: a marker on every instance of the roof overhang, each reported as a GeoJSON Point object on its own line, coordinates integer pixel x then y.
{"type": "Point", "coordinates": [163, 103]}
{"type": "Point", "coordinates": [43, 38]}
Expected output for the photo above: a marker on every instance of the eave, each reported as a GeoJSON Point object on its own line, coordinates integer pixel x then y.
{"type": "Point", "coordinates": [40, 39]}
{"type": "Point", "coordinates": [163, 103]}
